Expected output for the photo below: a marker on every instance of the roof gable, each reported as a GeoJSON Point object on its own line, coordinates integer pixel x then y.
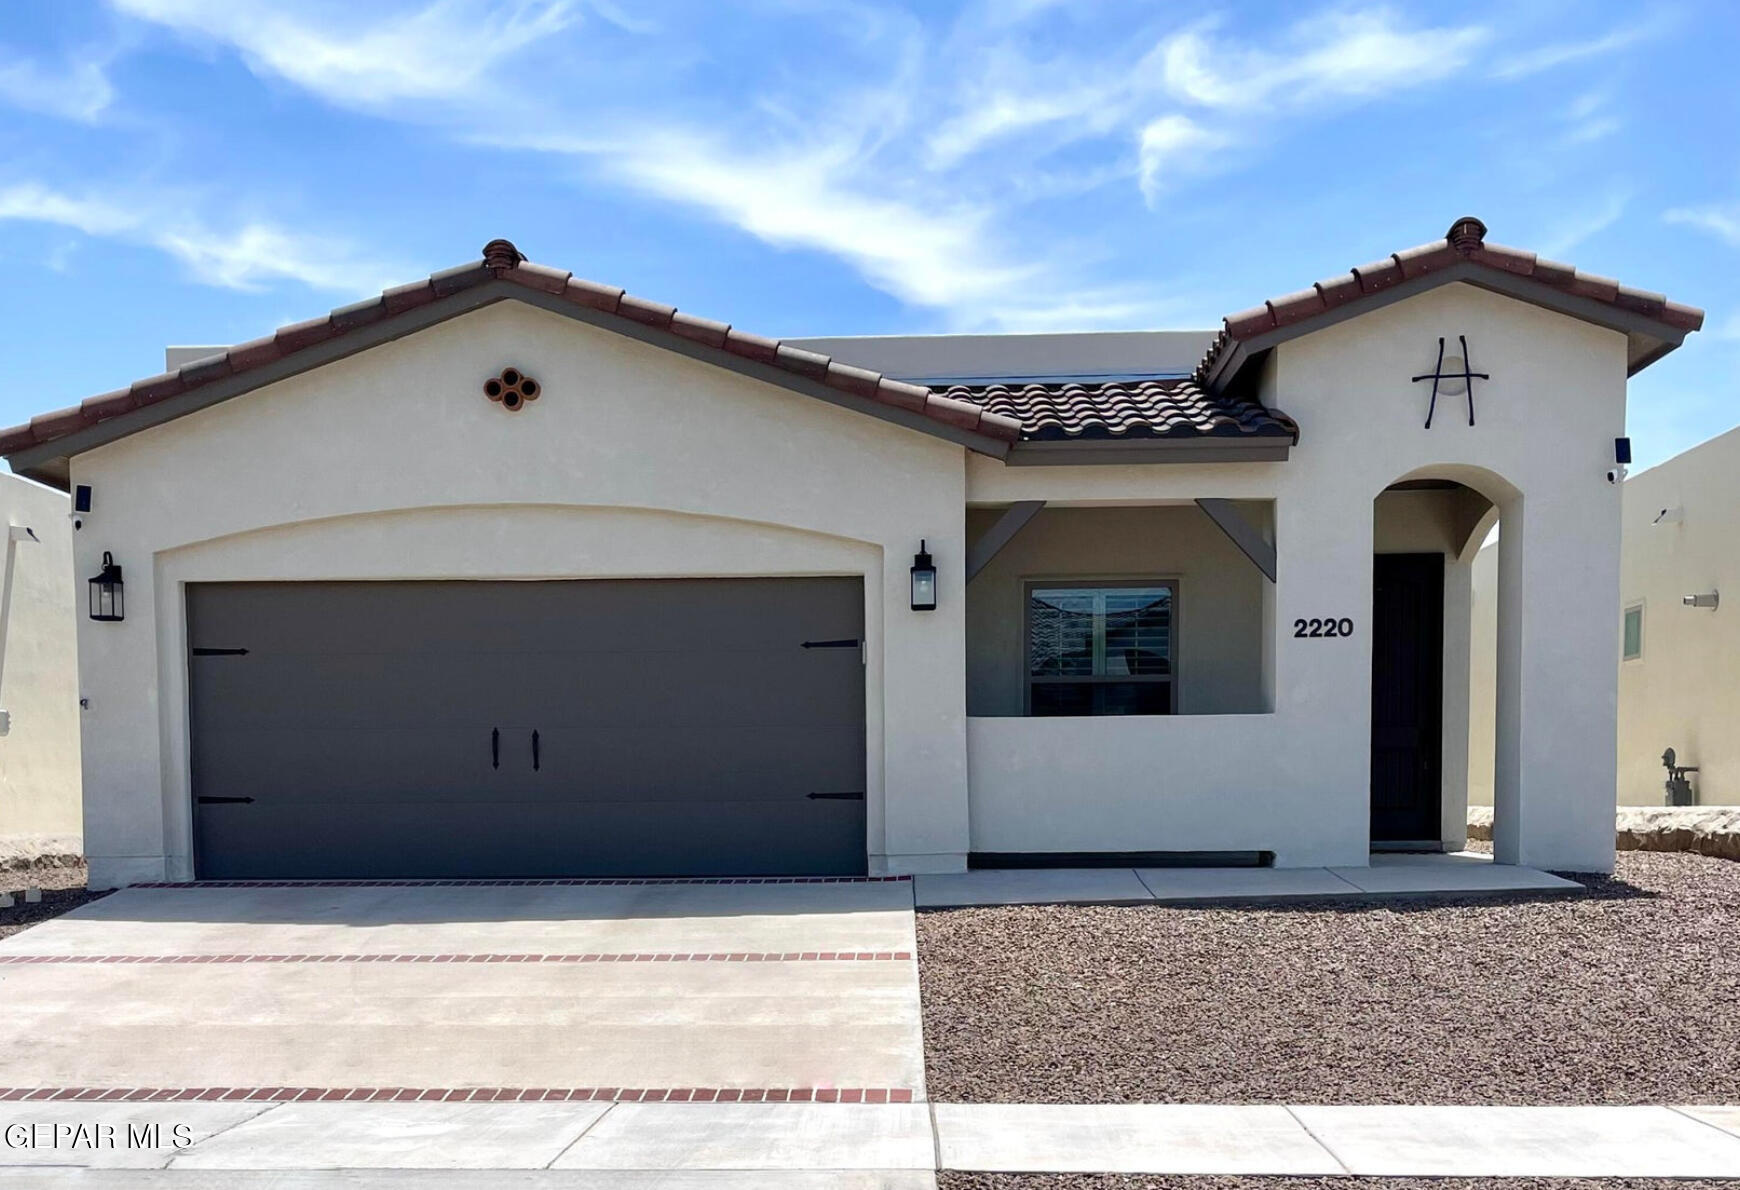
{"type": "Point", "coordinates": [1652, 324]}
{"type": "Point", "coordinates": [43, 447]}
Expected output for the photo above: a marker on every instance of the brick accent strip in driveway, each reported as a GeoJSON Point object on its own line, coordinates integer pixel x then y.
{"type": "Point", "coordinates": [463, 1094]}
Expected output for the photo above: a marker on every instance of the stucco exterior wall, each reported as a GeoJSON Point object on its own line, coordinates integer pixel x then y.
{"type": "Point", "coordinates": [1482, 674]}
{"type": "Point", "coordinates": [1219, 603]}
{"type": "Point", "coordinates": [40, 812]}
{"type": "Point", "coordinates": [636, 462]}
{"type": "Point", "coordinates": [1682, 692]}
{"type": "Point", "coordinates": [633, 462]}
{"type": "Point", "coordinates": [1541, 445]}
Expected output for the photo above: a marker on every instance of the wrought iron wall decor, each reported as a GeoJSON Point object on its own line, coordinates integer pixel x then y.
{"type": "Point", "coordinates": [512, 389]}
{"type": "Point", "coordinates": [1459, 379]}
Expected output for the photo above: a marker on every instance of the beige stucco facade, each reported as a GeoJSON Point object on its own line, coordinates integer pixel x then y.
{"type": "Point", "coordinates": [1681, 536]}
{"type": "Point", "coordinates": [642, 462]}
{"type": "Point", "coordinates": [40, 809]}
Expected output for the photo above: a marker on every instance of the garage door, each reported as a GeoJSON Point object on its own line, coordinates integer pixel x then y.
{"type": "Point", "coordinates": [680, 727]}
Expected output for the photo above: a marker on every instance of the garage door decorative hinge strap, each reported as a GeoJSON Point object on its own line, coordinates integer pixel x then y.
{"type": "Point", "coordinates": [832, 644]}
{"type": "Point", "coordinates": [225, 801]}
{"type": "Point", "coordinates": [857, 796]}
{"type": "Point", "coordinates": [220, 652]}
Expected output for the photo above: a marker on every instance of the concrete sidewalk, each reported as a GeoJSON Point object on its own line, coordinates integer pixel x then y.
{"type": "Point", "coordinates": [622, 1146]}
{"type": "Point", "coordinates": [1419, 875]}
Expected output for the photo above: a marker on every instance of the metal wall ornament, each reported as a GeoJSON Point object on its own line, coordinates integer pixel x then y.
{"type": "Point", "coordinates": [1455, 381]}
{"type": "Point", "coordinates": [512, 389]}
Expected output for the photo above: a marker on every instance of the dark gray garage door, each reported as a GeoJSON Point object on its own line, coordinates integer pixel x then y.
{"type": "Point", "coordinates": [661, 727]}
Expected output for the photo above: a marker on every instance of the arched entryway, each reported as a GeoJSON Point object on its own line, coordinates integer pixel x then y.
{"type": "Point", "coordinates": [1428, 528]}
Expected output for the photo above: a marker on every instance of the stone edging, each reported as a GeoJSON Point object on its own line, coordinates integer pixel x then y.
{"type": "Point", "coordinates": [1705, 830]}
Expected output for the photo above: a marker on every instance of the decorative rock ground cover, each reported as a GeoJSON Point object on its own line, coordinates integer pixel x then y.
{"type": "Point", "coordinates": [1624, 996]}
{"type": "Point", "coordinates": [62, 885]}
{"type": "Point", "coordinates": [1016, 1181]}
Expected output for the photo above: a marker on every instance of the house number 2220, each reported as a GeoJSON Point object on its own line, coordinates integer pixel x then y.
{"type": "Point", "coordinates": [1315, 627]}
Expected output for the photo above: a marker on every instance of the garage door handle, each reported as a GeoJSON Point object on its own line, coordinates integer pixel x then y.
{"type": "Point", "coordinates": [836, 797]}
{"type": "Point", "coordinates": [225, 801]}
{"type": "Point", "coordinates": [534, 751]}
{"type": "Point", "coordinates": [495, 747]}
{"type": "Point", "coordinates": [831, 644]}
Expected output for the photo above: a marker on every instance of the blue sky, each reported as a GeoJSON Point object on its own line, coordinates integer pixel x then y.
{"type": "Point", "coordinates": [200, 171]}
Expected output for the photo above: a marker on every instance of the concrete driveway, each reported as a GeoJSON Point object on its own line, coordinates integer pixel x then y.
{"type": "Point", "coordinates": [753, 991]}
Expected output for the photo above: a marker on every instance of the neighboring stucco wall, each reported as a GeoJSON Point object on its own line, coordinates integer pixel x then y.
{"type": "Point", "coordinates": [634, 461]}
{"type": "Point", "coordinates": [1684, 691]}
{"type": "Point", "coordinates": [1540, 447]}
{"type": "Point", "coordinates": [1219, 628]}
{"type": "Point", "coordinates": [39, 760]}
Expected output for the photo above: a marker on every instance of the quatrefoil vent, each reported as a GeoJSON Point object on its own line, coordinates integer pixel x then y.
{"type": "Point", "coordinates": [512, 389]}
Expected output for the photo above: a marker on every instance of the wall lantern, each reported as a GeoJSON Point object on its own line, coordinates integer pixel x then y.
{"type": "Point", "coordinates": [107, 599]}
{"type": "Point", "coordinates": [1711, 601]}
{"type": "Point", "coordinates": [923, 581]}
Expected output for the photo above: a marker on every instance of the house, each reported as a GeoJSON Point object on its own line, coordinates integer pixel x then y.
{"type": "Point", "coordinates": [1678, 650]}
{"type": "Point", "coordinates": [39, 715]}
{"type": "Point", "coordinates": [508, 573]}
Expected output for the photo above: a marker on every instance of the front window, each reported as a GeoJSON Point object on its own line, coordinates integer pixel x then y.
{"type": "Point", "coordinates": [1100, 649]}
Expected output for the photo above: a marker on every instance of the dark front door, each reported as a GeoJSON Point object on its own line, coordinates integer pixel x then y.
{"type": "Point", "coordinates": [489, 729]}
{"type": "Point", "coordinates": [1407, 694]}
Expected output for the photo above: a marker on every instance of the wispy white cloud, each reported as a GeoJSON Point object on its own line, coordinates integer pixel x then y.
{"type": "Point", "coordinates": [1174, 146]}
{"type": "Point", "coordinates": [351, 56]}
{"type": "Point", "coordinates": [80, 90]}
{"type": "Point", "coordinates": [1574, 227]}
{"type": "Point", "coordinates": [914, 158]}
{"type": "Point", "coordinates": [250, 256]}
{"type": "Point", "coordinates": [1721, 220]}
{"type": "Point", "coordinates": [1340, 55]}
{"type": "Point", "coordinates": [999, 113]}
{"type": "Point", "coordinates": [1590, 118]}
{"type": "Point", "coordinates": [933, 254]}
{"type": "Point", "coordinates": [1563, 53]}
{"type": "Point", "coordinates": [824, 190]}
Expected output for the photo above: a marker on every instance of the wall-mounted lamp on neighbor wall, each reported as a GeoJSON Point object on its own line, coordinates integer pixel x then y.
{"type": "Point", "coordinates": [1670, 516]}
{"type": "Point", "coordinates": [108, 595]}
{"type": "Point", "coordinates": [1710, 601]}
{"type": "Point", "coordinates": [923, 581]}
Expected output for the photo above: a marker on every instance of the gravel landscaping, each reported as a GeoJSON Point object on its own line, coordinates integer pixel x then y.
{"type": "Point", "coordinates": [62, 885]}
{"type": "Point", "coordinates": [1625, 995]}
{"type": "Point", "coordinates": [1024, 1181]}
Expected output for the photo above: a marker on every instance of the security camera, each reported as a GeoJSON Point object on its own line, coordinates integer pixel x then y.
{"type": "Point", "coordinates": [1617, 474]}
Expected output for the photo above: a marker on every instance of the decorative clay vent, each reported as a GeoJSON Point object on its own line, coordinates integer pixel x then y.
{"type": "Point", "coordinates": [512, 389]}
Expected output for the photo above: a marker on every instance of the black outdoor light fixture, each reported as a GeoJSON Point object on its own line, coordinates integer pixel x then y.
{"type": "Point", "coordinates": [923, 581]}
{"type": "Point", "coordinates": [108, 601]}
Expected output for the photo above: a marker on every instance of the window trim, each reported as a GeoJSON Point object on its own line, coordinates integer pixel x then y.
{"type": "Point", "coordinates": [1635, 606]}
{"type": "Point", "coordinates": [1030, 583]}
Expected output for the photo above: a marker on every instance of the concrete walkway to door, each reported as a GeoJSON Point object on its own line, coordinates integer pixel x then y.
{"type": "Point", "coordinates": [678, 990]}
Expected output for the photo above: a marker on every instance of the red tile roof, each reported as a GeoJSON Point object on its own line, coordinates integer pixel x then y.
{"type": "Point", "coordinates": [501, 260]}
{"type": "Point", "coordinates": [1464, 242]}
{"type": "Point", "coordinates": [1126, 410]}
